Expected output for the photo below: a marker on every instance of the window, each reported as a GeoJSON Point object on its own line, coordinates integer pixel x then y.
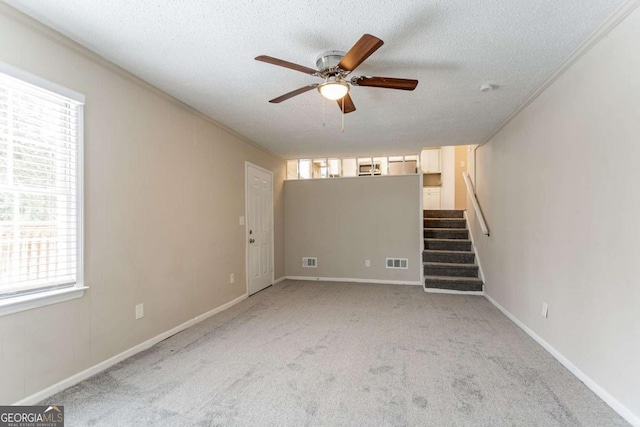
{"type": "Point", "coordinates": [320, 168]}
{"type": "Point", "coordinates": [334, 168]}
{"type": "Point", "coordinates": [40, 191]}
{"type": "Point", "coordinates": [350, 167]}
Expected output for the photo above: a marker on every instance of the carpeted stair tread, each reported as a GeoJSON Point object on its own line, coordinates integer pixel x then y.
{"type": "Point", "coordinates": [463, 284]}
{"type": "Point", "coordinates": [443, 213]}
{"type": "Point", "coordinates": [462, 220]}
{"type": "Point", "coordinates": [454, 279]}
{"type": "Point", "coordinates": [444, 229]}
{"type": "Point", "coordinates": [445, 223]}
{"type": "Point", "coordinates": [443, 251]}
{"type": "Point", "coordinates": [448, 256]}
{"type": "Point", "coordinates": [446, 233]}
{"type": "Point", "coordinates": [445, 240]}
{"type": "Point", "coordinates": [447, 244]}
{"type": "Point", "coordinates": [436, 240]}
{"type": "Point", "coordinates": [449, 264]}
{"type": "Point", "coordinates": [450, 269]}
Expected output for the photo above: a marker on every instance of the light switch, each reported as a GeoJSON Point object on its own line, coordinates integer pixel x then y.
{"type": "Point", "coordinates": [241, 220]}
{"type": "Point", "coordinates": [139, 311]}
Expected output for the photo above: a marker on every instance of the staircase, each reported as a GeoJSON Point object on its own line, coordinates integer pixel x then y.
{"type": "Point", "coordinates": [448, 258]}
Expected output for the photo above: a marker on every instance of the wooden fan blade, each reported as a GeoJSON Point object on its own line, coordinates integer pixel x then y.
{"type": "Point", "coordinates": [293, 93]}
{"type": "Point", "coordinates": [385, 82]}
{"type": "Point", "coordinates": [286, 64]}
{"type": "Point", "coordinates": [360, 51]}
{"type": "Point", "coordinates": [349, 107]}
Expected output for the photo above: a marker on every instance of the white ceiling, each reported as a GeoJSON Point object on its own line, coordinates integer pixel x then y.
{"type": "Point", "coordinates": [202, 52]}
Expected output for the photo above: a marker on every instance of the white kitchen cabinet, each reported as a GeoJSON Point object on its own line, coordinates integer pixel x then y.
{"type": "Point", "coordinates": [431, 197]}
{"type": "Point", "coordinates": [431, 161]}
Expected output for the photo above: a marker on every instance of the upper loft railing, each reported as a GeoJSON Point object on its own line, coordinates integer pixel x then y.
{"type": "Point", "coordinates": [474, 200]}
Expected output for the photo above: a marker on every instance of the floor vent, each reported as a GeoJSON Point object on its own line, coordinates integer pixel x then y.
{"type": "Point", "coordinates": [309, 262]}
{"type": "Point", "coordinates": [402, 263]}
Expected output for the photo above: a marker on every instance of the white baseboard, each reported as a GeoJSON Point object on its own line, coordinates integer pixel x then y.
{"type": "Point", "coordinates": [452, 292]}
{"type": "Point", "coordinates": [87, 373]}
{"type": "Point", "coordinates": [344, 279]}
{"type": "Point", "coordinates": [622, 410]}
{"type": "Point", "coordinates": [282, 279]}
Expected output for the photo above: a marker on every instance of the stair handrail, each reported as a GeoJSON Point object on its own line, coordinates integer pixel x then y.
{"type": "Point", "coordinates": [474, 200]}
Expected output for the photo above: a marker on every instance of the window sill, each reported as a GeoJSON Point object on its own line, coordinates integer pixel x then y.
{"type": "Point", "coordinates": [28, 302]}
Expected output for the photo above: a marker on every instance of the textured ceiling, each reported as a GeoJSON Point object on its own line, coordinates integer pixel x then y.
{"type": "Point", "coordinates": [202, 52]}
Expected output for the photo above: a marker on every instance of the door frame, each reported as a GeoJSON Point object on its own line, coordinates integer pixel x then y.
{"type": "Point", "coordinates": [248, 164]}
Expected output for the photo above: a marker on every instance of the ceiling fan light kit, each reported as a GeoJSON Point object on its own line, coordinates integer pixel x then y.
{"type": "Point", "coordinates": [334, 66]}
{"type": "Point", "coordinates": [334, 89]}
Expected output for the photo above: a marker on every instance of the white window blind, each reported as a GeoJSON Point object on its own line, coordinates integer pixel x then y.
{"type": "Point", "coordinates": [40, 212]}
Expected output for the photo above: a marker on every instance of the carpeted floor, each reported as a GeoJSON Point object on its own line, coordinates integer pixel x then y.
{"type": "Point", "coordinates": [337, 354]}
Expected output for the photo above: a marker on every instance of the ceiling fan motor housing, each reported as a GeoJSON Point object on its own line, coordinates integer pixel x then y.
{"type": "Point", "coordinates": [328, 61]}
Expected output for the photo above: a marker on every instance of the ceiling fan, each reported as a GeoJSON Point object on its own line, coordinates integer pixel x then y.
{"type": "Point", "coordinates": [334, 66]}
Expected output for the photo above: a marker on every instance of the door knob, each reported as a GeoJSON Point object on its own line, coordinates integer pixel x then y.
{"type": "Point", "coordinates": [252, 240]}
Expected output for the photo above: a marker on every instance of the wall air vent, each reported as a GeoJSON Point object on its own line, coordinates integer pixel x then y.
{"type": "Point", "coordinates": [309, 262]}
{"type": "Point", "coordinates": [398, 263]}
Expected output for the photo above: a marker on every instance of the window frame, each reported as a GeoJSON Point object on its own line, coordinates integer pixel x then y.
{"type": "Point", "coordinates": [44, 297]}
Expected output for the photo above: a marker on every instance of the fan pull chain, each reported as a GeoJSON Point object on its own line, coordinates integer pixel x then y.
{"type": "Point", "coordinates": [324, 121]}
{"type": "Point", "coordinates": [342, 130]}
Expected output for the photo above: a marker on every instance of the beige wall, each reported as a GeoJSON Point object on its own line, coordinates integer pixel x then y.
{"type": "Point", "coordinates": [460, 186]}
{"type": "Point", "coordinates": [559, 188]}
{"type": "Point", "coordinates": [447, 160]}
{"type": "Point", "coordinates": [345, 221]}
{"type": "Point", "coordinates": [164, 188]}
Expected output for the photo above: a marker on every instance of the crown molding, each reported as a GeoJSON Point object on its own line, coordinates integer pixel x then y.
{"type": "Point", "coordinates": [609, 24]}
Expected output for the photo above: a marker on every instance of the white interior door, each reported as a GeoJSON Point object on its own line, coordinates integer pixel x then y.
{"type": "Point", "coordinates": [259, 228]}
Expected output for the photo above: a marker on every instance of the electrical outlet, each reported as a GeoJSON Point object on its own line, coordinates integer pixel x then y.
{"type": "Point", "coordinates": [139, 311]}
{"type": "Point", "coordinates": [232, 278]}
{"type": "Point", "coordinates": [367, 263]}
{"type": "Point", "coordinates": [241, 220]}
{"type": "Point", "coordinates": [545, 309]}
